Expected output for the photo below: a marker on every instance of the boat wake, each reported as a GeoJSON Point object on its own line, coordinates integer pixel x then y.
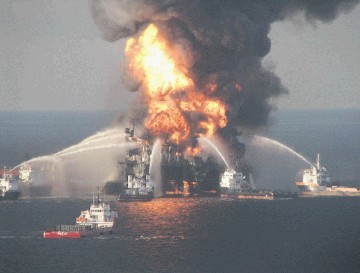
{"type": "Point", "coordinates": [149, 238]}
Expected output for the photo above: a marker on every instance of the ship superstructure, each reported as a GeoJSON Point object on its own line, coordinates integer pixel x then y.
{"type": "Point", "coordinates": [138, 185]}
{"type": "Point", "coordinates": [98, 216]}
{"type": "Point", "coordinates": [316, 178]}
{"type": "Point", "coordinates": [316, 181]}
{"type": "Point", "coordinates": [9, 186]}
{"type": "Point", "coordinates": [234, 184]}
{"type": "Point", "coordinates": [36, 179]}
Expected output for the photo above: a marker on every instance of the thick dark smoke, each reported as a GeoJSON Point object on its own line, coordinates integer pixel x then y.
{"type": "Point", "coordinates": [222, 41]}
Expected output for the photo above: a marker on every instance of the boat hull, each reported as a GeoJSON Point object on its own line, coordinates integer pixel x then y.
{"type": "Point", "coordinates": [76, 234]}
{"type": "Point", "coordinates": [61, 234]}
{"type": "Point", "coordinates": [36, 191]}
{"type": "Point", "coordinates": [10, 195]}
{"type": "Point", "coordinates": [247, 196]}
{"type": "Point", "coordinates": [135, 198]}
{"type": "Point", "coordinates": [329, 193]}
{"type": "Point", "coordinates": [285, 195]}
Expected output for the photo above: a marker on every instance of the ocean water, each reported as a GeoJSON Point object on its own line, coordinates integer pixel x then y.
{"type": "Point", "coordinates": [191, 234]}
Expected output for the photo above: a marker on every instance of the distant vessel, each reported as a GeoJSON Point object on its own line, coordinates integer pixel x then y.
{"type": "Point", "coordinates": [35, 179]}
{"type": "Point", "coordinates": [234, 185]}
{"type": "Point", "coordinates": [317, 182]}
{"type": "Point", "coordinates": [98, 220]}
{"type": "Point", "coordinates": [137, 189]}
{"type": "Point", "coordinates": [9, 186]}
{"type": "Point", "coordinates": [138, 186]}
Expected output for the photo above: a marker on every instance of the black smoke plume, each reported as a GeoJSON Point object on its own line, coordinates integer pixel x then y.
{"type": "Point", "coordinates": [223, 42]}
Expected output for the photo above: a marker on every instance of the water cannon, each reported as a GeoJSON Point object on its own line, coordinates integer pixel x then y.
{"type": "Point", "coordinates": [130, 132]}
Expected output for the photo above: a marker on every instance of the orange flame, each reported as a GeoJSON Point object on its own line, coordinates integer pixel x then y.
{"type": "Point", "coordinates": [167, 119]}
{"type": "Point", "coordinates": [165, 80]}
{"type": "Point", "coordinates": [192, 151]}
{"type": "Point", "coordinates": [151, 62]}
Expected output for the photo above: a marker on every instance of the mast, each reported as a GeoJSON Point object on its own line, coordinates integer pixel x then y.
{"type": "Point", "coordinates": [98, 195]}
{"type": "Point", "coordinates": [318, 161]}
{"type": "Point", "coordinates": [319, 172]}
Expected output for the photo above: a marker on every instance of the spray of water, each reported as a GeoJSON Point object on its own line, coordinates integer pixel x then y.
{"type": "Point", "coordinates": [100, 147]}
{"type": "Point", "coordinates": [155, 168]}
{"type": "Point", "coordinates": [67, 174]}
{"type": "Point", "coordinates": [106, 135]}
{"type": "Point", "coordinates": [36, 159]}
{"type": "Point", "coordinates": [217, 150]}
{"type": "Point", "coordinates": [282, 146]}
{"type": "Point", "coordinates": [77, 149]}
{"type": "Point", "coordinates": [103, 134]}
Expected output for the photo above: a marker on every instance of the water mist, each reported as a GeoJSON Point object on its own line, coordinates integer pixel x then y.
{"type": "Point", "coordinates": [155, 168]}
{"type": "Point", "coordinates": [83, 166]}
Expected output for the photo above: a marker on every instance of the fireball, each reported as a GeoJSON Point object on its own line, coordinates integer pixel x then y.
{"type": "Point", "coordinates": [170, 93]}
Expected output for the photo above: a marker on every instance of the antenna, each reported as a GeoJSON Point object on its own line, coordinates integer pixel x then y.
{"type": "Point", "coordinates": [93, 198]}
{"type": "Point", "coordinates": [98, 195]}
{"type": "Point", "coordinates": [318, 161]}
{"type": "Point", "coordinates": [132, 122]}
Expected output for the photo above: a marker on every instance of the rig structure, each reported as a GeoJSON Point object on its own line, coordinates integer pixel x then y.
{"type": "Point", "coordinates": [180, 175]}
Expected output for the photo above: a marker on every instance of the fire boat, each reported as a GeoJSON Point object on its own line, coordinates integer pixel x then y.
{"type": "Point", "coordinates": [9, 186]}
{"type": "Point", "coordinates": [98, 220]}
{"type": "Point", "coordinates": [234, 185]}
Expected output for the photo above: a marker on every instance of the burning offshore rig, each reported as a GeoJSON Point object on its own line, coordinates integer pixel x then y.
{"type": "Point", "coordinates": [188, 175]}
{"type": "Point", "coordinates": [179, 174]}
{"type": "Point", "coordinates": [198, 72]}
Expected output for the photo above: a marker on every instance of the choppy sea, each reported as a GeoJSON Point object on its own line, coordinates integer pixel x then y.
{"type": "Point", "coordinates": [189, 234]}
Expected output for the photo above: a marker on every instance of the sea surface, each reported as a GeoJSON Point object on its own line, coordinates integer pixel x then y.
{"type": "Point", "coordinates": [319, 235]}
{"type": "Point", "coordinates": [188, 234]}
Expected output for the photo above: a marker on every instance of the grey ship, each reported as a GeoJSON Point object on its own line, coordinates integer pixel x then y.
{"type": "Point", "coordinates": [36, 179]}
{"type": "Point", "coordinates": [317, 182]}
{"type": "Point", "coordinates": [9, 186]}
{"type": "Point", "coordinates": [234, 185]}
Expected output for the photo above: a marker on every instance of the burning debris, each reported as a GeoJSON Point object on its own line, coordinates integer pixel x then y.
{"type": "Point", "coordinates": [197, 64]}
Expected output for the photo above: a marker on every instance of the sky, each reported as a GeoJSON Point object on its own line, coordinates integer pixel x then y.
{"type": "Point", "coordinates": [52, 57]}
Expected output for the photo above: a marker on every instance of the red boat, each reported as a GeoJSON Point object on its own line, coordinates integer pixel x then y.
{"type": "Point", "coordinates": [62, 232]}
{"type": "Point", "coordinates": [75, 231]}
